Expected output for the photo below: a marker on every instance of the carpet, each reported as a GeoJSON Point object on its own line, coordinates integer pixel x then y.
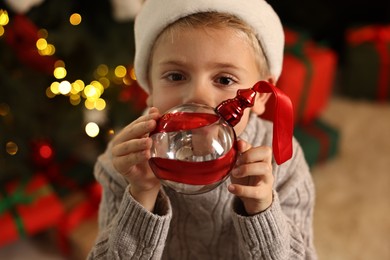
{"type": "Point", "coordinates": [352, 213]}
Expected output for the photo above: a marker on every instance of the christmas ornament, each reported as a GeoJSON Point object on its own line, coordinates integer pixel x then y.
{"type": "Point", "coordinates": [195, 146]}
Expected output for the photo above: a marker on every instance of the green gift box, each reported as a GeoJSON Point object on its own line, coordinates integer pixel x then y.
{"type": "Point", "coordinates": [319, 141]}
{"type": "Point", "coordinates": [366, 70]}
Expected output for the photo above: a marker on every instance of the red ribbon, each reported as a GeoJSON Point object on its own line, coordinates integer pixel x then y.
{"type": "Point", "coordinates": [380, 35]}
{"type": "Point", "coordinates": [283, 121]}
{"type": "Point", "coordinates": [195, 173]}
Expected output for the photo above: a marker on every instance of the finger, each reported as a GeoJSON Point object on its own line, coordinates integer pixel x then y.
{"type": "Point", "coordinates": [131, 146]}
{"type": "Point", "coordinates": [153, 110]}
{"type": "Point", "coordinates": [252, 169]}
{"type": "Point", "coordinates": [261, 153]}
{"type": "Point", "coordinates": [250, 192]}
{"type": "Point", "coordinates": [123, 163]}
{"type": "Point", "coordinates": [137, 129]}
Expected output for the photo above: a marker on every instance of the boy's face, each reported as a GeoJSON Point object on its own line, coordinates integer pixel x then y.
{"type": "Point", "coordinates": [201, 65]}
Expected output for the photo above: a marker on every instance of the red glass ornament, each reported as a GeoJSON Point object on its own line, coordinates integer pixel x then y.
{"type": "Point", "coordinates": [195, 147]}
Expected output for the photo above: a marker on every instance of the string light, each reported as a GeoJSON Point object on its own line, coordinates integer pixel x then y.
{"type": "Point", "coordinates": [102, 70]}
{"type": "Point", "coordinates": [50, 93]}
{"type": "Point", "coordinates": [55, 88]}
{"type": "Point", "coordinates": [45, 151]}
{"type": "Point", "coordinates": [111, 132]}
{"type": "Point", "coordinates": [65, 87]}
{"type": "Point", "coordinates": [41, 44]}
{"type": "Point", "coordinates": [92, 129]}
{"type": "Point", "coordinates": [44, 48]}
{"type": "Point", "coordinates": [74, 99]}
{"type": "Point", "coordinates": [59, 73]}
{"type": "Point", "coordinates": [76, 91]}
{"type": "Point", "coordinates": [11, 148]}
{"type": "Point", "coordinates": [75, 19]}
{"type": "Point", "coordinates": [132, 74]}
{"type": "Point", "coordinates": [120, 71]}
{"type": "Point", "coordinates": [100, 104]}
{"type": "Point", "coordinates": [4, 18]}
{"type": "Point", "coordinates": [42, 33]}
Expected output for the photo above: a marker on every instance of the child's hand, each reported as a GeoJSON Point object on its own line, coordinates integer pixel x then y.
{"type": "Point", "coordinates": [130, 155]}
{"type": "Point", "coordinates": [252, 178]}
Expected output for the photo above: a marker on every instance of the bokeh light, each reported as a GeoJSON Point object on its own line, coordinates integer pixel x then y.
{"type": "Point", "coordinates": [65, 87]}
{"type": "Point", "coordinates": [4, 18]}
{"type": "Point", "coordinates": [45, 151]}
{"type": "Point", "coordinates": [92, 129]}
{"type": "Point", "coordinates": [59, 73]}
{"type": "Point", "coordinates": [75, 19]}
{"type": "Point", "coordinates": [120, 71]}
{"type": "Point", "coordinates": [11, 148]}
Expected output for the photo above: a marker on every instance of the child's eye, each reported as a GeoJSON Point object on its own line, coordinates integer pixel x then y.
{"type": "Point", "coordinates": [227, 81]}
{"type": "Point", "coordinates": [175, 77]}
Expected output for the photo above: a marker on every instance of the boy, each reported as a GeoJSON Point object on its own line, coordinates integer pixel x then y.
{"type": "Point", "coordinates": [203, 52]}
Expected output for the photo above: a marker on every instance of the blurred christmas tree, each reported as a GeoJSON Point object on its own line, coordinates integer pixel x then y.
{"type": "Point", "coordinates": [66, 84]}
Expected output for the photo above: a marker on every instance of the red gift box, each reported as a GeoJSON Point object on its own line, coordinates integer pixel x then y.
{"type": "Point", "coordinates": [27, 207]}
{"type": "Point", "coordinates": [307, 77]}
{"type": "Point", "coordinates": [81, 208]}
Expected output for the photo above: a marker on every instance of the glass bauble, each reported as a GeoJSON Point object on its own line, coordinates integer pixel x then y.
{"type": "Point", "coordinates": [194, 145]}
{"type": "Point", "coordinates": [193, 149]}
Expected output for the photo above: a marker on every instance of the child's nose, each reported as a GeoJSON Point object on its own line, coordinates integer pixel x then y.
{"type": "Point", "coordinates": [199, 92]}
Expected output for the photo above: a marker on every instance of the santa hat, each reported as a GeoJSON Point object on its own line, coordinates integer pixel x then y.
{"type": "Point", "coordinates": [156, 15]}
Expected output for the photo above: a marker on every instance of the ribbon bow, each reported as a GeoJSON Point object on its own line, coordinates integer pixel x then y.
{"type": "Point", "coordinates": [377, 33]}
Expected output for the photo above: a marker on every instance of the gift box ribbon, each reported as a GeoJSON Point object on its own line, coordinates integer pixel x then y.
{"type": "Point", "coordinates": [380, 35]}
{"type": "Point", "coordinates": [9, 201]}
{"type": "Point", "coordinates": [296, 46]}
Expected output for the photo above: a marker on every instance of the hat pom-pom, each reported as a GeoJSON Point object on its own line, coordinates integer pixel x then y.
{"type": "Point", "coordinates": [124, 10]}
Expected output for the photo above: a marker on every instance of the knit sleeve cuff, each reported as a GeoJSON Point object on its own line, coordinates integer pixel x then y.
{"type": "Point", "coordinates": [263, 234]}
{"type": "Point", "coordinates": [142, 228]}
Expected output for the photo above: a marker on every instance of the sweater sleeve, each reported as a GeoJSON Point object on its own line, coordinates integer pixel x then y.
{"type": "Point", "coordinates": [126, 229]}
{"type": "Point", "coordinates": [284, 230]}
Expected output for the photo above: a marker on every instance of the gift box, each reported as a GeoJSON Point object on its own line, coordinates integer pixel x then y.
{"type": "Point", "coordinates": [77, 231]}
{"type": "Point", "coordinates": [27, 207]}
{"type": "Point", "coordinates": [68, 176]}
{"type": "Point", "coordinates": [366, 70]}
{"type": "Point", "coordinates": [307, 76]}
{"type": "Point", "coordinates": [319, 141]}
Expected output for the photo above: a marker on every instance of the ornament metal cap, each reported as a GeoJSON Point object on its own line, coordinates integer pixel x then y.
{"type": "Point", "coordinates": [232, 110]}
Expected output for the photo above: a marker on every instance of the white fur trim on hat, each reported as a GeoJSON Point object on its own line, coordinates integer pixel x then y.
{"type": "Point", "coordinates": [156, 15]}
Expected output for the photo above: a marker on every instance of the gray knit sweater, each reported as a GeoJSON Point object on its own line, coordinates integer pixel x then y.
{"type": "Point", "coordinates": [212, 225]}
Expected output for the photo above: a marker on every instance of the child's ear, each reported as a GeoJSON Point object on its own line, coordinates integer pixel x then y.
{"type": "Point", "coordinates": [261, 100]}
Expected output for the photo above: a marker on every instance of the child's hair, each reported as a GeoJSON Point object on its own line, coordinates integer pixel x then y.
{"type": "Point", "coordinates": [216, 20]}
